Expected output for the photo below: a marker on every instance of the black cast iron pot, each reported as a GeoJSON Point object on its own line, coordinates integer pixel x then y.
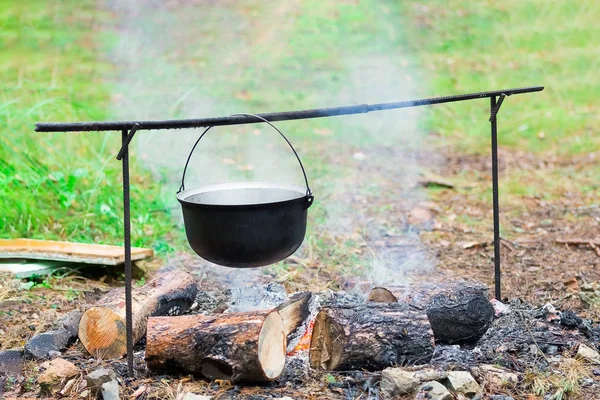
{"type": "Point", "coordinates": [247, 224]}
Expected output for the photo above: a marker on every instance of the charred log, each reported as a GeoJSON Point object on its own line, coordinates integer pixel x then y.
{"type": "Point", "coordinates": [459, 312]}
{"type": "Point", "coordinates": [240, 347]}
{"type": "Point", "coordinates": [102, 327]}
{"type": "Point", "coordinates": [370, 337]}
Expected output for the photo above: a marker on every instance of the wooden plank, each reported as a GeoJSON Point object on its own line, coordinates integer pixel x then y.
{"type": "Point", "coordinates": [87, 253]}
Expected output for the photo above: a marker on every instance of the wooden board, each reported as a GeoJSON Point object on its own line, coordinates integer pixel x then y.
{"type": "Point", "coordinates": [31, 249]}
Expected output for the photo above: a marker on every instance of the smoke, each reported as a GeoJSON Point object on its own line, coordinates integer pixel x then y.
{"type": "Point", "coordinates": [176, 64]}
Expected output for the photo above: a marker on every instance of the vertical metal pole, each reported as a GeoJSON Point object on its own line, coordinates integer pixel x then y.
{"type": "Point", "coordinates": [495, 198]}
{"type": "Point", "coordinates": [127, 240]}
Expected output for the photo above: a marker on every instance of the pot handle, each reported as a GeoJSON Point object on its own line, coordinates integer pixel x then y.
{"type": "Point", "coordinates": [308, 190]}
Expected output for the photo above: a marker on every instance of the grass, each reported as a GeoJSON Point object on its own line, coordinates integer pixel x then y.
{"type": "Point", "coordinates": [61, 186]}
{"type": "Point", "coordinates": [470, 46]}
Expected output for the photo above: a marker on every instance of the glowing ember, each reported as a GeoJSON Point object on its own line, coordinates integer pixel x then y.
{"type": "Point", "coordinates": [304, 343]}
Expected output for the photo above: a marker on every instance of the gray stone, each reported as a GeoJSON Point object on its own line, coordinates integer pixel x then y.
{"type": "Point", "coordinates": [430, 374]}
{"type": "Point", "coordinates": [49, 344]}
{"type": "Point", "coordinates": [462, 382]}
{"type": "Point", "coordinates": [433, 391]}
{"type": "Point", "coordinates": [495, 378]}
{"type": "Point", "coordinates": [70, 322]}
{"type": "Point", "coordinates": [192, 396]}
{"type": "Point", "coordinates": [588, 354]}
{"type": "Point", "coordinates": [11, 362]}
{"type": "Point", "coordinates": [397, 382]}
{"type": "Point", "coordinates": [500, 397]}
{"type": "Point", "coordinates": [98, 377]}
{"type": "Point", "coordinates": [56, 373]}
{"type": "Point", "coordinates": [110, 390]}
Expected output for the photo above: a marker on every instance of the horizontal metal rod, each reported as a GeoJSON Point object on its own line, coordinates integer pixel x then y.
{"type": "Point", "coordinates": [279, 116]}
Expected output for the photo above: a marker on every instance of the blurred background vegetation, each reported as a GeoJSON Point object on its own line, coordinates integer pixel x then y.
{"type": "Point", "coordinates": [54, 67]}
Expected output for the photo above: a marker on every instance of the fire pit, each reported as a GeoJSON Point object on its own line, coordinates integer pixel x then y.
{"type": "Point", "coordinates": [129, 128]}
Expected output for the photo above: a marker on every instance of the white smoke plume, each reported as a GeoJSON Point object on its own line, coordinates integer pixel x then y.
{"type": "Point", "coordinates": [163, 72]}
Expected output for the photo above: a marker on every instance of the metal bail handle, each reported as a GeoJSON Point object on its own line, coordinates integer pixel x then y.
{"type": "Point", "coordinates": [308, 190]}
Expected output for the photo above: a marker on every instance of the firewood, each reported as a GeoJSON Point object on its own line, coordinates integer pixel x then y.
{"type": "Point", "coordinates": [459, 312]}
{"type": "Point", "coordinates": [102, 327]}
{"type": "Point", "coordinates": [239, 347]}
{"type": "Point", "coordinates": [295, 314]}
{"type": "Point", "coordinates": [370, 337]}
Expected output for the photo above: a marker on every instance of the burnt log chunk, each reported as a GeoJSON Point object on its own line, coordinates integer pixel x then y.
{"type": "Point", "coordinates": [459, 312]}
{"type": "Point", "coordinates": [102, 327]}
{"type": "Point", "coordinates": [240, 347]}
{"type": "Point", "coordinates": [370, 337]}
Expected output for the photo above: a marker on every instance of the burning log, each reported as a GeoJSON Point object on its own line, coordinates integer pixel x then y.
{"type": "Point", "coordinates": [296, 313]}
{"type": "Point", "coordinates": [240, 347]}
{"type": "Point", "coordinates": [459, 312]}
{"type": "Point", "coordinates": [370, 337]}
{"type": "Point", "coordinates": [102, 327]}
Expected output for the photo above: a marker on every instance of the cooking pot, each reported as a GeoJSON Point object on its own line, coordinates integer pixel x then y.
{"type": "Point", "coordinates": [245, 224]}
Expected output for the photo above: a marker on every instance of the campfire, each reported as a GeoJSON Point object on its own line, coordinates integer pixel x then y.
{"type": "Point", "coordinates": [447, 340]}
{"type": "Point", "coordinates": [430, 340]}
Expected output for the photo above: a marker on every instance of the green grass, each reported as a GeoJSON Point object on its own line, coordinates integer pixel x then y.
{"type": "Point", "coordinates": [63, 185]}
{"type": "Point", "coordinates": [467, 46]}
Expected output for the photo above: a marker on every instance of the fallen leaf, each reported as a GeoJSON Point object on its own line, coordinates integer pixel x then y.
{"type": "Point", "coordinates": [471, 245]}
{"type": "Point", "coordinates": [572, 284]}
{"type": "Point", "coordinates": [419, 215]}
{"type": "Point", "coordinates": [243, 95]}
{"type": "Point", "coordinates": [228, 161]}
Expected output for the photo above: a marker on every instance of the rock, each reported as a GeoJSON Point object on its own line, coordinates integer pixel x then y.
{"type": "Point", "coordinates": [588, 354]}
{"type": "Point", "coordinates": [48, 344]}
{"type": "Point", "coordinates": [56, 373]}
{"type": "Point", "coordinates": [98, 377]}
{"type": "Point", "coordinates": [586, 382]}
{"type": "Point", "coordinates": [397, 382]}
{"type": "Point", "coordinates": [433, 390]}
{"type": "Point", "coordinates": [110, 390]}
{"type": "Point", "coordinates": [500, 397]}
{"type": "Point", "coordinates": [463, 383]}
{"type": "Point", "coordinates": [494, 378]}
{"type": "Point", "coordinates": [192, 396]}
{"type": "Point", "coordinates": [430, 374]}
{"type": "Point", "coordinates": [11, 362]}
{"type": "Point", "coordinates": [70, 322]}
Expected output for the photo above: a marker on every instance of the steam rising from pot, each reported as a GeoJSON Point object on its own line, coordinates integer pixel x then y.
{"type": "Point", "coordinates": [363, 169]}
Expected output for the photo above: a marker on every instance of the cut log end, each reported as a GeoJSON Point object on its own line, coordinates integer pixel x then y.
{"type": "Point", "coordinates": [326, 344]}
{"type": "Point", "coordinates": [271, 346]}
{"type": "Point", "coordinates": [103, 332]}
{"type": "Point", "coordinates": [382, 295]}
{"type": "Point", "coordinates": [102, 329]}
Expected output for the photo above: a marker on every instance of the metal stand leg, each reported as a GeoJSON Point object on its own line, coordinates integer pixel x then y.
{"type": "Point", "coordinates": [494, 107]}
{"type": "Point", "coordinates": [124, 154]}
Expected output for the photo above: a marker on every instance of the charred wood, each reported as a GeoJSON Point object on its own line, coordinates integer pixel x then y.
{"type": "Point", "coordinates": [459, 312]}
{"type": "Point", "coordinates": [370, 337]}
{"type": "Point", "coordinates": [240, 347]}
